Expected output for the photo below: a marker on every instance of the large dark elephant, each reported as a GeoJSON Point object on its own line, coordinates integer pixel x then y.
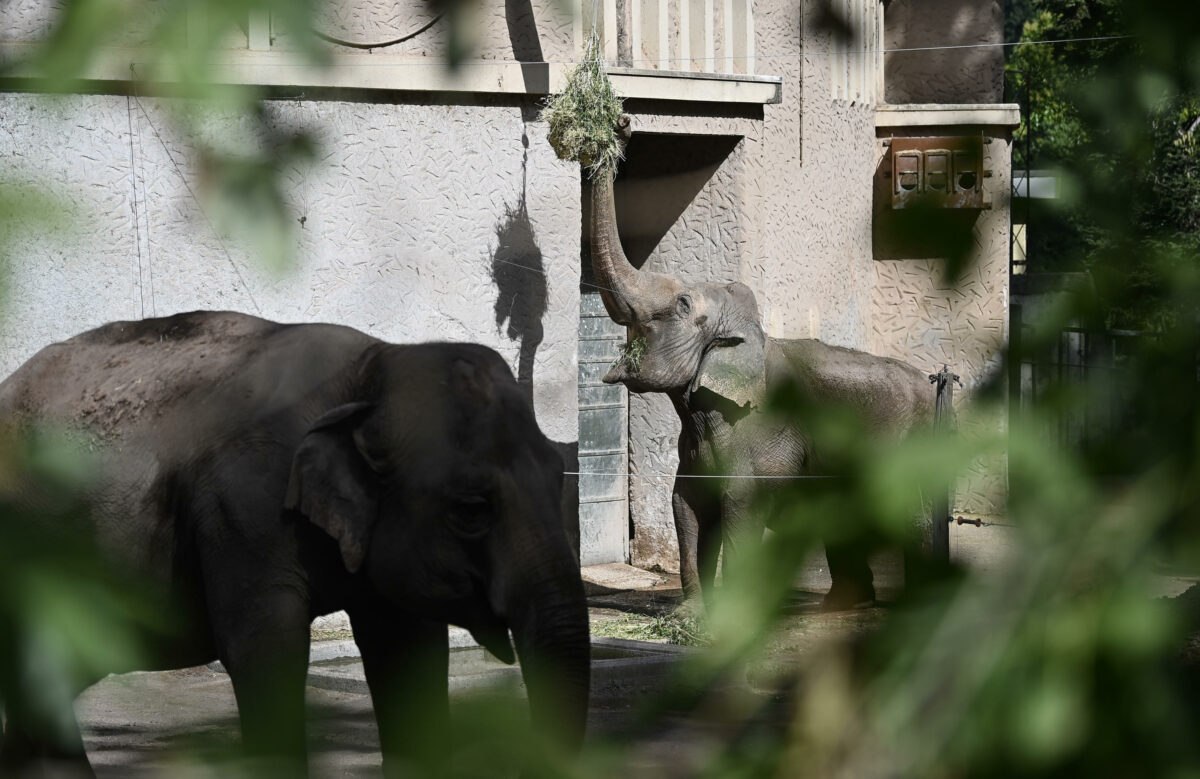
{"type": "Point", "coordinates": [704, 347]}
{"type": "Point", "coordinates": [262, 474]}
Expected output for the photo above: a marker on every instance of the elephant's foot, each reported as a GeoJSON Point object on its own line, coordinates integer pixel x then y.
{"type": "Point", "coordinates": [691, 608]}
{"type": "Point", "coordinates": [849, 597]}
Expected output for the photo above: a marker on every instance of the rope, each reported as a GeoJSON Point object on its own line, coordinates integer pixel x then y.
{"type": "Point", "coordinates": [645, 477]}
{"type": "Point", "coordinates": [755, 56]}
{"type": "Point", "coordinates": [179, 171]}
{"type": "Point", "coordinates": [137, 226]}
{"type": "Point", "coordinates": [542, 272]}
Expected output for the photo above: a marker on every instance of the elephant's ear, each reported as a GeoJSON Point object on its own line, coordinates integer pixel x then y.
{"type": "Point", "coordinates": [331, 483]}
{"type": "Point", "coordinates": [734, 367]}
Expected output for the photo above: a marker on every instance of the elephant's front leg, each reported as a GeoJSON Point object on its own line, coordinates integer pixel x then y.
{"type": "Point", "coordinates": [406, 664]}
{"type": "Point", "coordinates": [741, 526]}
{"type": "Point", "coordinates": [263, 644]}
{"type": "Point", "coordinates": [697, 528]}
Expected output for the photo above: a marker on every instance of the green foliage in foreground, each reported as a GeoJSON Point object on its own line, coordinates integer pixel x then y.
{"type": "Point", "coordinates": [1062, 660]}
{"type": "Point", "coordinates": [583, 117]}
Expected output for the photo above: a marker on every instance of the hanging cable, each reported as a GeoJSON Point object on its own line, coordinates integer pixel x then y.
{"type": "Point", "coordinates": [382, 45]}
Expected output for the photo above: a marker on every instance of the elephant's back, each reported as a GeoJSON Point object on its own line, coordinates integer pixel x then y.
{"type": "Point", "coordinates": [892, 395]}
{"type": "Point", "coordinates": [125, 376]}
{"type": "Point", "coordinates": [114, 374]}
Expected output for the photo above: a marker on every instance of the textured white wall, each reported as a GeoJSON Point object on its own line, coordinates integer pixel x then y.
{"type": "Point", "coordinates": [525, 30]}
{"type": "Point", "coordinates": [705, 243]}
{"type": "Point", "coordinates": [406, 213]}
{"type": "Point", "coordinates": [921, 319]}
{"type": "Point", "coordinates": [813, 270]}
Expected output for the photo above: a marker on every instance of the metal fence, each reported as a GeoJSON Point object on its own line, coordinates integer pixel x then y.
{"type": "Point", "coordinates": [1080, 376]}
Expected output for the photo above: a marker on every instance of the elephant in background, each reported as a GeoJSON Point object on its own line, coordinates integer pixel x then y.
{"type": "Point", "coordinates": [261, 474]}
{"type": "Point", "coordinates": [704, 347]}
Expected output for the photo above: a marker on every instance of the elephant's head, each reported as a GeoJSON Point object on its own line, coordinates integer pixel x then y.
{"type": "Point", "coordinates": [442, 492]}
{"type": "Point", "coordinates": [691, 337]}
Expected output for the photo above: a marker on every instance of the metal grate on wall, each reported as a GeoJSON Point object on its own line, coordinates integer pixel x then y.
{"type": "Point", "coordinates": [603, 439]}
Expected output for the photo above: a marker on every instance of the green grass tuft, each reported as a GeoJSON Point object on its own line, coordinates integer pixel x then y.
{"type": "Point", "coordinates": [583, 117]}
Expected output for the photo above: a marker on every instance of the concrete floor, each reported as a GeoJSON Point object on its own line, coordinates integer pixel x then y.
{"type": "Point", "coordinates": [184, 723]}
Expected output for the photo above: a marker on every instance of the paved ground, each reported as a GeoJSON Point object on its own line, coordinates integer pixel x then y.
{"type": "Point", "coordinates": [183, 723]}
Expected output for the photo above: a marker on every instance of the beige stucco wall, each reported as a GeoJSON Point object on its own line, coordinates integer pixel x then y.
{"type": "Point", "coordinates": [922, 318]}
{"type": "Point", "coordinates": [524, 30]}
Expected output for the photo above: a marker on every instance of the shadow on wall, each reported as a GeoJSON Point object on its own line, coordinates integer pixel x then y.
{"type": "Point", "coordinates": [922, 232]}
{"type": "Point", "coordinates": [659, 179]}
{"type": "Point", "coordinates": [520, 278]}
{"type": "Point", "coordinates": [522, 31]}
{"type": "Point", "coordinates": [519, 273]}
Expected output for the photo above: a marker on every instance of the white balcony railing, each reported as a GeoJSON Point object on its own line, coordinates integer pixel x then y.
{"type": "Point", "coordinates": [698, 36]}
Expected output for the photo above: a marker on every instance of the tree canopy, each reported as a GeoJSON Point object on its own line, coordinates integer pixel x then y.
{"type": "Point", "coordinates": [1132, 140]}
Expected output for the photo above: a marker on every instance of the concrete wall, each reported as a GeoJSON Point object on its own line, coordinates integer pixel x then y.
{"type": "Point", "coordinates": [920, 318]}
{"type": "Point", "coordinates": [524, 30]}
{"type": "Point", "coordinates": [944, 75]}
{"type": "Point", "coordinates": [682, 211]}
{"type": "Point", "coordinates": [415, 220]}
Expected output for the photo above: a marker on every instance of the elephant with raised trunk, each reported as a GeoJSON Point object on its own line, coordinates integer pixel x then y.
{"type": "Point", "coordinates": [261, 474]}
{"type": "Point", "coordinates": [704, 347]}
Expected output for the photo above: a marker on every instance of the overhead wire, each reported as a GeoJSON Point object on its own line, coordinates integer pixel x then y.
{"type": "Point", "coordinates": [756, 55]}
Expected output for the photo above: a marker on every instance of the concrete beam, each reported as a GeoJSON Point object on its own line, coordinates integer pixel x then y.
{"type": "Point", "coordinates": [944, 114]}
{"type": "Point", "coordinates": [395, 73]}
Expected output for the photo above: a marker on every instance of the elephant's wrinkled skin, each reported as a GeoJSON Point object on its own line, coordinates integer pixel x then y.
{"type": "Point", "coordinates": [263, 474]}
{"type": "Point", "coordinates": [706, 350]}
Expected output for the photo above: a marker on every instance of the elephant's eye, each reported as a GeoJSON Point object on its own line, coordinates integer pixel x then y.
{"type": "Point", "coordinates": [375, 456]}
{"type": "Point", "coordinates": [683, 305]}
{"type": "Point", "coordinates": [470, 516]}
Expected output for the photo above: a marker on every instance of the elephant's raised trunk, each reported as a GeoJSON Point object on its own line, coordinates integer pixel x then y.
{"type": "Point", "coordinates": [628, 292]}
{"type": "Point", "coordinates": [617, 278]}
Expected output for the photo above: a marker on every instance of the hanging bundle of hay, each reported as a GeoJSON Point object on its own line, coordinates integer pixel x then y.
{"type": "Point", "coordinates": [583, 117]}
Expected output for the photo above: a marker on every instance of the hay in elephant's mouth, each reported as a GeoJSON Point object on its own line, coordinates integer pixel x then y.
{"type": "Point", "coordinates": [632, 354]}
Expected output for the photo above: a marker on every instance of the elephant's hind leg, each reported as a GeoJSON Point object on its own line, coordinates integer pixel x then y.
{"type": "Point", "coordinates": [853, 581]}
